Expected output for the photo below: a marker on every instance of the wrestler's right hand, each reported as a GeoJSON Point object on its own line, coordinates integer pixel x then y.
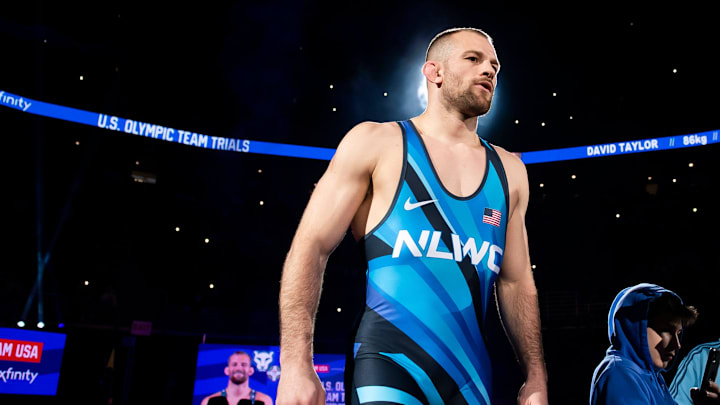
{"type": "Point", "coordinates": [300, 386]}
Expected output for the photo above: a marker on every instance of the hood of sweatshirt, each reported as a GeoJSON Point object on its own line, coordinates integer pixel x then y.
{"type": "Point", "coordinates": [628, 323]}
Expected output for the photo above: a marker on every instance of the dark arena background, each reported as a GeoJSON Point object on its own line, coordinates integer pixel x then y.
{"type": "Point", "coordinates": [140, 249]}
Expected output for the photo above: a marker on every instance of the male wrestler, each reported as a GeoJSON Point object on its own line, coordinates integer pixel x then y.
{"type": "Point", "coordinates": [441, 213]}
{"type": "Point", "coordinates": [239, 370]}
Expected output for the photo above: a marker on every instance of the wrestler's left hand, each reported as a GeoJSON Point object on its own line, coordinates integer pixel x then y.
{"type": "Point", "coordinates": [533, 393]}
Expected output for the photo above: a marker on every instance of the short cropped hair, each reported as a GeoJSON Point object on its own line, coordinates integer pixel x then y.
{"type": "Point", "coordinates": [442, 39]}
{"type": "Point", "coordinates": [237, 353]}
{"type": "Point", "coordinates": [669, 305]}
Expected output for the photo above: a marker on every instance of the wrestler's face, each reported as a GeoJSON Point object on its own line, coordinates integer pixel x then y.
{"type": "Point", "coordinates": [663, 336]}
{"type": "Point", "coordinates": [239, 368]}
{"type": "Point", "coordinates": [470, 74]}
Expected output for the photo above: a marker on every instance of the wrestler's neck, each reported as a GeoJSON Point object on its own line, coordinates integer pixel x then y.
{"type": "Point", "coordinates": [447, 125]}
{"type": "Point", "coordinates": [238, 390]}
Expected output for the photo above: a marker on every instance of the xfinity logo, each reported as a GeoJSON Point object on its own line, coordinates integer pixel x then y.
{"type": "Point", "coordinates": [14, 101]}
{"type": "Point", "coordinates": [10, 375]}
{"type": "Point", "coordinates": [421, 248]}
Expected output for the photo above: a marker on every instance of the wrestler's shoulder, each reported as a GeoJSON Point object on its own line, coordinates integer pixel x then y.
{"type": "Point", "coordinates": [261, 395]}
{"type": "Point", "coordinates": [207, 398]}
{"type": "Point", "coordinates": [371, 132]}
{"type": "Point", "coordinates": [370, 141]}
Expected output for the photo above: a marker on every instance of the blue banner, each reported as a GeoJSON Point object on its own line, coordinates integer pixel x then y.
{"type": "Point", "coordinates": [160, 132]}
{"type": "Point", "coordinates": [168, 134]}
{"type": "Point", "coordinates": [621, 148]}
{"type": "Point", "coordinates": [30, 361]}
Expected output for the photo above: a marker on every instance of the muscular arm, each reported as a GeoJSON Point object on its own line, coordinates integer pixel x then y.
{"type": "Point", "coordinates": [327, 217]}
{"type": "Point", "coordinates": [207, 398]}
{"type": "Point", "coordinates": [516, 292]}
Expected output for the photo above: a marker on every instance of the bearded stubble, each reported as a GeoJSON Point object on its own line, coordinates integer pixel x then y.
{"type": "Point", "coordinates": [238, 381]}
{"type": "Point", "coordinates": [465, 100]}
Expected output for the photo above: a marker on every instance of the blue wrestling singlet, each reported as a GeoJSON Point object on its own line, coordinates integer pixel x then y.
{"type": "Point", "coordinates": [432, 264]}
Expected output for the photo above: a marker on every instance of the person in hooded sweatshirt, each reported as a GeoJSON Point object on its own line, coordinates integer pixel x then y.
{"type": "Point", "coordinates": [645, 324]}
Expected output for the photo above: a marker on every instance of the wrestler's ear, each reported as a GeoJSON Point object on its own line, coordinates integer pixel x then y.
{"type": "Point", "coordinates": [432, 72]}
{"type": "Point", "coordinates": [252, 371]}
{"type": "Point", "coordinates": [227, 371]}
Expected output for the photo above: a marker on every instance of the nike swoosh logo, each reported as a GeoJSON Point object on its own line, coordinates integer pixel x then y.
{"type": "Point", "coordinates": [411, 206]}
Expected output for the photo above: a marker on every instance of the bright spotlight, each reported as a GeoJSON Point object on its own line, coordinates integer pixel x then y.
{"type": "Point", "coordinates": [21, 324]}
{"type": "Point", "coordinates": [422, 93]}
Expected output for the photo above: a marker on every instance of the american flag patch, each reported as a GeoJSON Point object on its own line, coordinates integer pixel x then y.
{"type": "Point", "coordinates": [492, 217]}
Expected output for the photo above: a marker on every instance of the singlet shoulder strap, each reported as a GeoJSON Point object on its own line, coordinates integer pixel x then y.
{"type": "Point", "coordinates": [499, 168]}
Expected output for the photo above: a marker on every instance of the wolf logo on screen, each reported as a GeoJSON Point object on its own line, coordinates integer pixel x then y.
{"type": "Point", "coordinates": [262, 360]}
